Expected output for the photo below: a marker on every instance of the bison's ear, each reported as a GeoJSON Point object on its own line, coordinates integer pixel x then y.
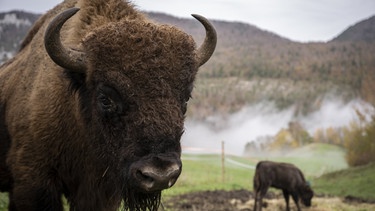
{"type": "Point", "coordinates": [208, 46]}
{"type": "Point", "coordinates": [65, 57]}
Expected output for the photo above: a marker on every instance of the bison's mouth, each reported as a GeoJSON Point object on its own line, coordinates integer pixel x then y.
{"type": "Point", "coordinates": [134, 200]}
{"type": "Point", "coordinates": [147, 177]}
{"type": "Point", "coordinates": [307, 203]}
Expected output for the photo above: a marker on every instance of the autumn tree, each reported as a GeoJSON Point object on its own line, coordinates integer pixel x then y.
{"type": "Point", "coordinates": [292, 137]}
{"type": "Point", "coordinates": [360, 143]}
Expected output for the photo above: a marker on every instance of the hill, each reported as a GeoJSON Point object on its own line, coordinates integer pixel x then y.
{"type": "Point", "coordinates": [13, 27]}
{"type": "Point", "coordinates": [354, 182]}
{"type": "Point", "coordinates": [251, 65]}
{"type": "Point", "coordinates": [362, 31]}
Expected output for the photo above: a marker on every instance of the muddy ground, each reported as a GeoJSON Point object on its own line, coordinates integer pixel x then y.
{"type": "Point", "coordinates": [243, 200]}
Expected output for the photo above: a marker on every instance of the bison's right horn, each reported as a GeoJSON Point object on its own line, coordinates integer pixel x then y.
{"type": "Point", "coordinates": [208, 46]}
{"type": "Point", "coordinates": [65, 57]}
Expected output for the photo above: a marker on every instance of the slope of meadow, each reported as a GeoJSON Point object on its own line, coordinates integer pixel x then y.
{"type": "Point", "coordinates": [356, 182]}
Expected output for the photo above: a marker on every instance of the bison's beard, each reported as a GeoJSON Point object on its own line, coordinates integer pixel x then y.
{"type": "Point", "coordinates": [138, 201]}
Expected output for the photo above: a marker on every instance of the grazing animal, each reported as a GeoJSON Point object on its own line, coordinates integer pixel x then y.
{"type": "Point", "coordinates": [92, 107]}
{"type": "Point", "coordinates": [283, 176]}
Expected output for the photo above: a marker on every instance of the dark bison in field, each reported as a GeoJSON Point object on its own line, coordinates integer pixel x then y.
{"type": "Point", "coordinates": [92, 108]}
{"type": "Point", "coordinates": [283, 176]}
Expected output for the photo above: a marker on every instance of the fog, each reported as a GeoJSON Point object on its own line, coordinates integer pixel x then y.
{"type": "Point", "coordinates": [263, 120]}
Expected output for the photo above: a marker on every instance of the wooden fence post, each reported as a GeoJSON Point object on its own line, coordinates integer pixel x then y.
{"type": "Point", "coordinates": [222, 162]}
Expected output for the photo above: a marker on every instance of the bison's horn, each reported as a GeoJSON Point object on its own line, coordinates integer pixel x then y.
{"type": "Point", "coordinates": [65, 57]}
{"type": "Point", "coordinates": [208, 46]}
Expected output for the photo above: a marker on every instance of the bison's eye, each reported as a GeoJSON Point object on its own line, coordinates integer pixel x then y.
{"type": "Point", "coordinates": [109, 102]}
{"type": "Point", "coordinates": [184, 108]}
{"type": "Point", "coordinates": [186, 98]}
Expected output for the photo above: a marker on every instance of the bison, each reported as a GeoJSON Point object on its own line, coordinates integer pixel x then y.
{"type": "Point", "coordinates": [283, 176]}
{"type": "Point", "coordinates": [92, 108]}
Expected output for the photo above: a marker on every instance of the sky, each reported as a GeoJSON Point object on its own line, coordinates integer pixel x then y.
{"type": "Point", "coordinates": [298, 20]}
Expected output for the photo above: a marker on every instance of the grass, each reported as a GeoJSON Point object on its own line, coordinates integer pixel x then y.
{"type": "Point", "coordinates": [358, 182]}
{"type": "Point", "coordinates": [315, 159]}
{"type": "Point", "coordinates": [204, 172]}
{"type": "Point", "coordinates": [3, 201]}
{"type": "Point", "coordinates": [323, 165]}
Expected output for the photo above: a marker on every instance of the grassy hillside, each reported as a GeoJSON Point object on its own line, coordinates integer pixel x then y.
{"type": "Point", "coordinates": [204, 172]}
{"type": "Point", "coordinates": [317, 159]}
{"type": "Point", "coordinates": [358, 182]}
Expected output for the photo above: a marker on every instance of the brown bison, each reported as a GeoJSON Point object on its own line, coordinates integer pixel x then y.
{"type": "Point", "coordinates": [92, 107]}
{"type": "Point", "coordinates": [283, 176]}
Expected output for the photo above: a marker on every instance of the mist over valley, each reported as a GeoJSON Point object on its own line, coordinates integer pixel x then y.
{"type": "Point", "coordinates": [252, 123]}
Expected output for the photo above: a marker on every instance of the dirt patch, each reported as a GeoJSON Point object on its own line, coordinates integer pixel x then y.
{"type": "Point", "coordinates": [353, 199]}
{"type": "Point", "coordinates": [208, 200]}
{"type": "Point", "coordinates": [243, 200]}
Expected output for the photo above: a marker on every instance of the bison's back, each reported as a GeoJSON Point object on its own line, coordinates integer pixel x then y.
{"type": "Point", "coordinates": [278, 175]}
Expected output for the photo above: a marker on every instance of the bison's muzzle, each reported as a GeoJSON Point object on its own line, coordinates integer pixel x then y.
{"type": "Point", "coordinates": [155, 173]}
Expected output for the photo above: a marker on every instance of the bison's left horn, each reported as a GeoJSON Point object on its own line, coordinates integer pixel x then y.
{"type": "Point", "coordinates": [65, 57]}
{"type": "Point", "coordinates": [208, 46]}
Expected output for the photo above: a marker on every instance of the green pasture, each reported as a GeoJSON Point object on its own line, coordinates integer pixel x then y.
{"type": "Point", "coordinates": [315, 159]}
{"type": "Point", "coordinates": [205, 172]}
{"type": "Point", "coordinates": [358, 182]}
{"type": "Point", "coordinates": [324, 166]}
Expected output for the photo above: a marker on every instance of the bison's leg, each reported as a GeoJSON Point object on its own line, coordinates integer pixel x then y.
{"type": "Point", "coordinates": [5, 174]}
{"type": "Point", "coordinates": [35, 198]}
{"type": "Point", "coordinates": [256, 200]}
{"type": "Point", "coordinates": [260, 192]}
{"type": "Point", "coordinates": [295, 199]}
{"type": "Point", "coordinates": [286, 197]}
{"type": "Point", "coordinates": [11, 206]}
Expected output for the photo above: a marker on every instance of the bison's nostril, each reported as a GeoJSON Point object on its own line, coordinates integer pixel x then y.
{"type": "Point", "coordinates": [143, 176]}
{"type": "Point", "coordinates": [171, 182]}
{"type": "Point", "coordinates": [146, 179]}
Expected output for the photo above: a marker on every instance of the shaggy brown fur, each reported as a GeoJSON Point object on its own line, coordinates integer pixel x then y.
{"type": "Point", "coordinates": [82, 134]}
{"type": "Point", "coordinates": [283, 176]}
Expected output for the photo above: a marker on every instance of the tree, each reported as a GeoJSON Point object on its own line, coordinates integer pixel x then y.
{"type": "Point", "coordinates": [360, 143]}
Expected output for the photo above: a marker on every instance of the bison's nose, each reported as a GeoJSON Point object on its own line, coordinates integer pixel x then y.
{"type": "Point", "coordinates": [155, 174]}
{"type": "Point", "coordinates": [153, 179]}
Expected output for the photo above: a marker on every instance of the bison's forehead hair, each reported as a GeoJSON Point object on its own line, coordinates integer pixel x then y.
{"type": "Point", "coordinates": [142, 46]}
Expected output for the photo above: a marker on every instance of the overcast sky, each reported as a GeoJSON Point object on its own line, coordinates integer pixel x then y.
{"type": "Point", "coordinates": [298, 20]}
